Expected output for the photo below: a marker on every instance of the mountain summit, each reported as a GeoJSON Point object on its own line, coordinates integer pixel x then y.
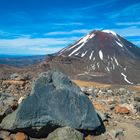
{"type": "Point", "coordinates": [104, 43]}
{"type": "Point", "coordinates": [102, 56]}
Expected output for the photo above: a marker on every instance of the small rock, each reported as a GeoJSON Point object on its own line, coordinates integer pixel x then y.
{"type": "Point", "coordinates": [123, 100]}
{"type": "Point", "coordinates": [4, 134]}
{"type": "Point", "coordinates": [16, 76]}
{"type": "Point", "coordinates": [8, 138]}
{"type": "Point", "coordinates": [122, 90]}
{"type": "Point", "coordinates": [21, 136]}
{"type": "Point", "coordinates": [137, 99]}
{"type": "Point", "coordinates": [137, 124]}
{"type": "Point", "coordinates": [89, 137]}
{"type": "Point", "coordinates": [137, 107]}
{"type": "Point", "coordinates": [109, 92]}
{"type": "Point", "coordinates": [12, 136]}
{"type": "Point", "coordinates": [21, 99]}
{"type": "Point", "coordinates": [65, 133]}
{"type": "Point", "coordinates": [116, 133]}
{"type": "Point", "coordinates": [112, 107]}
{"type": "Point", "coordinates": [121, 110]}
{"type": "Point", "coordinates": [98, 106]}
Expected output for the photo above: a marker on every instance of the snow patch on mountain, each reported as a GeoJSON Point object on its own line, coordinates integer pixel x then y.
{"type": "Point", "coordinates": [116, 61]}
{"type": "Point", "coordinates": [91, 55]}
{"type": "Point", "coordinates": [77, 49]}
{"type": "Point", "coordinates": [119, 44]}
{"type": "Point", "coordinates": [109, 31]}
{"type": "Point", "coordinates": [76, 54]}
{"type": "Point", "coordinates": [83, 54]}
{"type": "Point", "coordinates": [91, 36]}
{"type": "Point", "coordinates": [125, 78]}
{"type": "Point", "coordinates": [83, 41]}
{"type": "Point", "coordinates": [101, 55]}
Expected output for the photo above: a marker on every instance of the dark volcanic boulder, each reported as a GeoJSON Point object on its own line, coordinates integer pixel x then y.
{"type": "Point", "coordinates": [54, 101]}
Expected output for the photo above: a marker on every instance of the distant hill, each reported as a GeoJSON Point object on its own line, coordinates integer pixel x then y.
{"type": "Point", "coordinates": [21, 61]}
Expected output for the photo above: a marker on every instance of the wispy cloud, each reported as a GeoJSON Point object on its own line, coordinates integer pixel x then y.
{"type": "Point", "coordinates": [69, 24]}
{"type": "Point", "coordinates": [34, 45]}
{"type": "Point", "coordinates": [128, 23]}
{"type": "Point", "coordinates": [129, 31]}
{"type": "Point", "coordinates": [5, 34]}
{"type": "Point", "coordinates": [80, 31]}
{"type": "Point", "coordinates": [20, 42]}
{"type": "Point", "coordinates": [130, 11]}
{"type": "Point", "coordinates": [99, 4]}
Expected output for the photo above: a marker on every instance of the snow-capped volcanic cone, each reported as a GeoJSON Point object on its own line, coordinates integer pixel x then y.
{"type": "Point", "coordinates": [101, 56]}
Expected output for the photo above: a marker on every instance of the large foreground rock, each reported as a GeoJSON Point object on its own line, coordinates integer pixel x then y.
{"type": "Point", "coordinates": [65, 133]}
{"type": "Point", "coordinates": [54, 101]}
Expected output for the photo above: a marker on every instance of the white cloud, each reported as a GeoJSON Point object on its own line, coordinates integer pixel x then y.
{"type": "Point", "coordinates": [27, 45]}
{"type": "Point", "coordinates": [80, 31]}
{"type": "Point", "coordinates": [129, 31]}
{"type": "Point", "coordinates": [20, 42]}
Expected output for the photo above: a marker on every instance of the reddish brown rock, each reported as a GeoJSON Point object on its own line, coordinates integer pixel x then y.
{"type": "Point", "coordinates": [14, 82]}
{"type": "Point", "coordinates": [21, 136]}
{"type": "Point", "coordinates": [121, 110]}
{"type": "Point", "coordinates": [98, 106]}
{"type": "Point", "coordinates": [89, 137]}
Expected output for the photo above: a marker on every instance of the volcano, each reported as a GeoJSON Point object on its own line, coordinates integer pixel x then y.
{"type": "Point", "coordinates": [101, 56]}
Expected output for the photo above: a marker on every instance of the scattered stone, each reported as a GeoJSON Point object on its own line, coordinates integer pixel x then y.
{"type": "Point", "coordinates": [112, 107]}
{"type": "Point", "coordinates": [138, 108]}
{"type": "Point", "coordinates": [21, 136]}
{"type": "Point", "coordinates": [89, 137]}
{"type": "Point", "coordinates": [16, 76]}
{"type": "Point", "coordinates": [21, 99]}
{"type": "Point", "coordinates": [8, 138]}
{"type": "Point", "coordinates": [122, 90]}
{"type": "Point", "coordinates": [54, 101]}
{"type": "Point", "coordinates": [12, 136]}
{"type": "Point", "coordinates": [137, 99]}
{"type": "Point", "coordinates": [109, 92]}
{"type": "Point", "coordinates": [98, 106]}
{"type": "Point", "coordinates": [118, 133]}
{"type": "Point", "coordinates": [121, 110]}
{"type": "Point", "coordinates": [6, 104]}
{"type": "Point", "coordinates": [137, 124]}
{"type": "Point", "coordinates": [4, 134]}
{"type": "Point", "coordinates": [65, 133]}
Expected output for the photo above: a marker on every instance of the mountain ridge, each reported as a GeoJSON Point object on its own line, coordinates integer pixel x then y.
{"type": "Point", "coordinates": [104, 53]}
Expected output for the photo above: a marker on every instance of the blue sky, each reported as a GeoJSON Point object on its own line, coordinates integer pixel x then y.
{"type": "Point", "coordinates": [46, 26]}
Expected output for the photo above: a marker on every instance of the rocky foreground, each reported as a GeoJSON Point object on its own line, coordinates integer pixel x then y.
{"type": "Point", "coordinates": [54, 108]}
